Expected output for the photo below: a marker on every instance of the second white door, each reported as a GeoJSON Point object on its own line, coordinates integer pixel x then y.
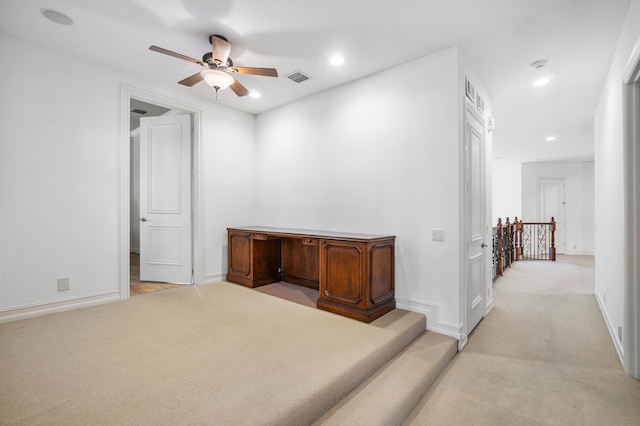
{"type": "Point", "coordinates": [551, 203]}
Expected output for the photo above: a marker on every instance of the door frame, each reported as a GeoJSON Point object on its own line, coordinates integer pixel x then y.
{"type": "Point", "coordinates": [631, 176]}
{"type": "Point", "coordinates": [197, 241]}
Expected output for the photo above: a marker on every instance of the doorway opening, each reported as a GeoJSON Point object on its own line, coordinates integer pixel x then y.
{"type": "Point", "coordinates": [138, 110]}
{"type": "Point", "coordinates": [551, 203]}
{"type": "Point", "coordinates": [631, 324]}
{"type": "Point", "coordinates": [135, 105]}
{"type": "Point", "coordinates": [136, 286]}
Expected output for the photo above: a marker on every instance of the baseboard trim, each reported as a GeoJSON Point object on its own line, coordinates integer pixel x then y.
{"type": "Point", "coordinates": [613, 333]}
{"type": "Point", "coordinates": [212, 278]}
{"type": "Point", "coordinates": [432, 312]}
{"type": "Point", "coordinates": [44, 308]}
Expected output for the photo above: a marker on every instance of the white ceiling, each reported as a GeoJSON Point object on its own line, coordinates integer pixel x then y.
{"type": "Point", "coordinates": [499, 37]}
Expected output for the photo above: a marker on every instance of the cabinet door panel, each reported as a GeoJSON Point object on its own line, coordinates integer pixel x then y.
{"type": "Point", "coordinates": [381, 273]}
{"type": "Point", "coordinates": [240, 254]}
{"type": "Point", "coordinates": [342, 264]}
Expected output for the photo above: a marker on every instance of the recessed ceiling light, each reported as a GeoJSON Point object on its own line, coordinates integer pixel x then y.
{"type": "Point", "coordinates": [255, 94]}
{"type": "Point", "coordinates": [55, 16]}
{"type": "Point", "coordinates": [337, 59]}
{"type": "Point", "coordinates": [541, 81]}
{"type": "Point", "coordinates": [550, 138]}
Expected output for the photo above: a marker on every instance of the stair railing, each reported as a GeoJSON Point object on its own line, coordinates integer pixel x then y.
{"type": "Point", "coordinates": [521, 241]}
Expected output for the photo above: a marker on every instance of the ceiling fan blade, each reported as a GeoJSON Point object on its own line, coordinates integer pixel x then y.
{"type": "Point", "coordinates": [191, 80]}
{"type": "Point", "coordinates": [239, 89]}
{"type": "Point", "coordinates": [175, 55]}
{"type": "Point", "coordinates": [220, 49]}
{"type": "Point", "coordinates": [269, 72]}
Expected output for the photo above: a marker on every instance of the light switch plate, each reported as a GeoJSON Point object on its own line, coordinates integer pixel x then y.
{"type": "Point", "coordinates": [437, 235]}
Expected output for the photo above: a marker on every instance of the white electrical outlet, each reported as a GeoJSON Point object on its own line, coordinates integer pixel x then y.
{"type": "Point", "coordinates": [437, 235]}
{"type": "Point", "coordinates": [64, 284]}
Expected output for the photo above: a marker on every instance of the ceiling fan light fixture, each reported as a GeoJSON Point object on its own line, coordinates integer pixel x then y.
{"type": "Point", "coordinates": [219, 80]}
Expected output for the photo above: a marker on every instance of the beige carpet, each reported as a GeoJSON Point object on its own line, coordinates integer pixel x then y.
{"type": "Point", "coordinates": [294, 293]}
{"type": "Point", "coordinates": [212, 354]}
{"type": "Point", "coordinates": [390, 395]}
{"type": "Point", "coordinates": [543, 356]}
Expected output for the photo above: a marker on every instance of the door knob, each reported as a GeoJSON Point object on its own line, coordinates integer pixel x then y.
{"type": "Point", "coordinates": [483, 245]}
{"type": "Point", "coordinates": [143, 219]}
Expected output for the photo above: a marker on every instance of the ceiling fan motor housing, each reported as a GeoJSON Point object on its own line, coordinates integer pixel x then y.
{"type": "Point", "coordinates": [218, 36]}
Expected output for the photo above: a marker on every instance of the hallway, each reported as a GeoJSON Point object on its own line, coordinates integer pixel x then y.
{"type": "Point", "coordinates": [543, 355]}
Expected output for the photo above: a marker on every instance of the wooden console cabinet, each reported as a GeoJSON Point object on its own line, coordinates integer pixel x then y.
{"type": "Point", "coordinates": [354, 273]}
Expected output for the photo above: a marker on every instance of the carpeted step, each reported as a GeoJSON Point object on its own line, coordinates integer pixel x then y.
{"type": "Point", "coordinates": [404, 326]}
{"type": "Point", "coordinates": [389, 395]}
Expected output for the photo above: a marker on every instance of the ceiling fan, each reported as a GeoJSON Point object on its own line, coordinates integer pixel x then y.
{"type": "Point", "coordinates": [219, 67]}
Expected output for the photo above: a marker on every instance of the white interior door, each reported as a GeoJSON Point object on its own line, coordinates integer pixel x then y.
{"type": "Point", "coordinates": [476, 280]}
{"type": "Point", "coordinates": [165, 199]}
{"type": "Point", "coordinates": [551, 203]}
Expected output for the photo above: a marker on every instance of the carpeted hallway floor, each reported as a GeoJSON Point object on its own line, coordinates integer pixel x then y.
{"type": "Point", "coordinates": [225, 354]}
{"type": "Point", "coordinates": [543, 356]}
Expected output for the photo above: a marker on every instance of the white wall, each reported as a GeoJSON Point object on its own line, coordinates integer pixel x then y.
{"type": "Point", "coordinates": [230, 182]}
{"type": "Point", "coordinates": [609, 182]}
{"type": "Point", "coordinates": [379, 155]}
{"type": "Point", "coordinates": [579, 189]}
{"type": "Point", "coordinates": [507, 191]}
{"type": "Point", "coordinates": [60, 130]}
{"type": "Point", "coordinates": [588, 210]}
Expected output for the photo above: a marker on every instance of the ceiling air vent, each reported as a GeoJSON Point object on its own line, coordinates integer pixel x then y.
{"type": "Point", "coordinates": [138, 111]}
{"type": "Point", "coordinates": [298, 77]}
